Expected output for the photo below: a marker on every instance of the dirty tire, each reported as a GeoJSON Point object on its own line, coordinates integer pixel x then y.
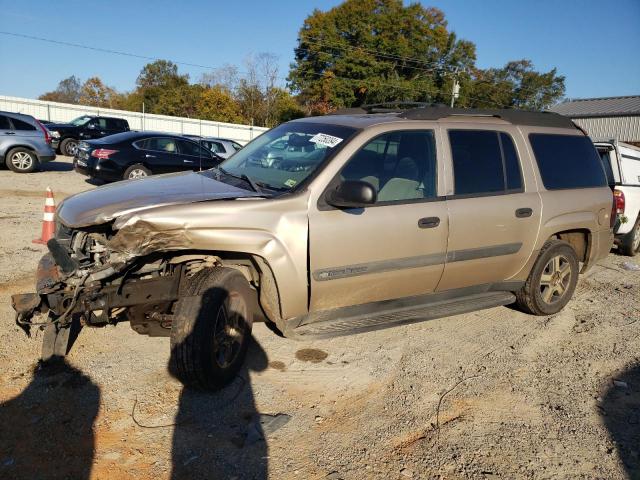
{"type": "Point", "coordinates": [68, 147]}
{"type": "Point", "coordinates": [630, 243]}
{"type": "Point", "coordinates": [21, 160]}
{"type": "Point", "coordinates": [211, 328]}
{"type": "Point", "coordinates": [136, 171]}
{"type": "Point", "coordinates": [531, 297]}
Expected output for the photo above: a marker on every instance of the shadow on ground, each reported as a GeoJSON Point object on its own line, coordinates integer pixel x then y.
{"type": "Point", "coordinates": [221, 434]}
{"type": "Point", "coordinates": [621, 415]}
{"type": "Point", "coordinates": [56, 167]}
{"type": "Point", "coordinates": [47, 430]}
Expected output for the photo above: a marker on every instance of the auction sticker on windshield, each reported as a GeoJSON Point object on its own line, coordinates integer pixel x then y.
{"type": "Point", "coordinates": [326, 140]}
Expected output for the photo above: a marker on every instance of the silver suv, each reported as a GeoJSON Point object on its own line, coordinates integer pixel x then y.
{"type": "Point", "coordinates": [24, 142]}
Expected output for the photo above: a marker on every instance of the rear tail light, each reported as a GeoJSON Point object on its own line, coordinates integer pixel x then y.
{"type": "Point", "coordinates": [618, 196]}
{"type": "Point", "coordinates": [102, 153]}
{"type": "Point", "coordinates": [47, 136]}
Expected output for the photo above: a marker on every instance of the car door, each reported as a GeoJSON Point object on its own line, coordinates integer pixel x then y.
{"type": "Point", "coordinates": [494, 215]}
{"type": "Point", "coordinates": [193, 156]}
{"type": "Point", "coordinates": [160, 154]}
{"type": "Point", "coordinates": [395, 248]}
{"type": "Point", "coordinates": [95, 128]}
{"type": "Point", "coordinates": [25, 130]}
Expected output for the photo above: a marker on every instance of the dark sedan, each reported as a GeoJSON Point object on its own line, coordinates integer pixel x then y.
{"type": "Point", "coordinates": [131, 155]}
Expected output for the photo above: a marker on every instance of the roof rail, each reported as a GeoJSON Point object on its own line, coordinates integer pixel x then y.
{"type": "Point", "coordinates": [516, 117]}
{"type": "Point", "coordinates": [384, 107]}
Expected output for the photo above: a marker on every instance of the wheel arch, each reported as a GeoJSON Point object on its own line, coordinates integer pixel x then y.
{"type": "Point", "coordinates": [581, 240]}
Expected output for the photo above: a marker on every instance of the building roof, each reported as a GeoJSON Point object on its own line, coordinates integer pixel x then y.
{"type": "Point", "coordinates": [599, 107]}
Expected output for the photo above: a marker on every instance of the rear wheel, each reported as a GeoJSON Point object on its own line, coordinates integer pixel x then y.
{"type": "Point", "coordinates": [21, 160]}
{"type": "Point", "coordinates": [135, 172]}
{"type": "Point", "coordinates": [630, 243]}
{"type": "Point", "coordinates": [552, 280]}
{"type": "Point", "coordinates": [69, 147]}
{"type": "Point", "coordinates": [211, 328]}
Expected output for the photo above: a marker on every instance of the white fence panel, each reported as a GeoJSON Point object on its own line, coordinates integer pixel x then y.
{"type": "Point", "coordinates": [64, 112]}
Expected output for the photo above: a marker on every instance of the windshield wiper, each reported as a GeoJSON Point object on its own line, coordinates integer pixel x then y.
{"type": "Point", "coordinates": [244, 177]}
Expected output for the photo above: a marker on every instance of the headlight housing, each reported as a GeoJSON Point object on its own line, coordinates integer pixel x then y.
{"type": "Point", "coordinates": [55, 134]}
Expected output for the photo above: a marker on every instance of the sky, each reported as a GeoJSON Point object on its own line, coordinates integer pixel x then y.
{"type": "Point", "coordinates": [594, 44]}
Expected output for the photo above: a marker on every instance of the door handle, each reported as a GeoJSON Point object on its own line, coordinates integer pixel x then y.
{"type": "Point", "coordinates": [524, 212]}
{"type": "Point", "coordinates": [150, 156]}
{"type": "Point", "coordinates": [429, 222]}
{"type": "Point", "coordinates": [10, 133]}
{"type": "Point", "coordinates": [187, 161]}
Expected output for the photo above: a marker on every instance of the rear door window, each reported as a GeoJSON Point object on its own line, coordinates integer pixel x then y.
{"type": "Point", "coordinates": [484, 162]}
{"type": "Point", "coordinates": [4, 123]}
{"type": "Point", "coordinates": [191, 148]}
{"type": "Point", "coordinates": [21, 125]}
{"type": "Point", "coordinates": [567, 161]}
{"type": "Point", "coordinates": [167, 145]}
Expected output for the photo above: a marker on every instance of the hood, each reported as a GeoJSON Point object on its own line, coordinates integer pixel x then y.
{"type": "Point", "coordinates": [59, 126]}
{"type": "Point", "coordinates": [111, 201]}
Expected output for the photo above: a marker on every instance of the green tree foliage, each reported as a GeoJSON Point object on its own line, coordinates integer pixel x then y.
{"type": "Point", "coordinates": [368, 51]}
{"type": "Point", "coordinates": [67, 91]}
{"type": "Point", "coordinates": [516, 85]}
{"type": "Point", "coordinates": [371, 51]}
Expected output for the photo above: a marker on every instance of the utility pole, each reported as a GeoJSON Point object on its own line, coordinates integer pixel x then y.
{"type": "Point", "coordinates": [455, 89]}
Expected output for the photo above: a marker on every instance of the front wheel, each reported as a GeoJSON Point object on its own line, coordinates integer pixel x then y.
{"type": "Point", "coordinates": [552, 280]}
{"type": "Point", "coordinates": [211, 328]}
{"type": "Point", "coordinates": [69, 147]}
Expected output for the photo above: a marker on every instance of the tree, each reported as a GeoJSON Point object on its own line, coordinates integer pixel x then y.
{"type": "Point", "coordinates": [97, 94]}
{"type": "Point", "coordinates": [516, 85]}
{"type": "Point", "coordinates": [216, 103]}
{"type": "Point", "coordinates": [67, 91]}
{"type": "Point", "coordinates": [161, 73]}
{"type": "Point", "coordinates": [367, 51]}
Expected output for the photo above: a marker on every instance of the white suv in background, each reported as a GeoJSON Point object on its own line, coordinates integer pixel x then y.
{"type": "Point", "coordinates": [622, 164]}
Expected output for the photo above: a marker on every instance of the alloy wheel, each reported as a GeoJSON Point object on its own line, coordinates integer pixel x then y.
{"type": "Point", "coordinates": [71, 149]}
{"type": "Point", "coordinates": [555, 279]}
{"type": "Point", "coordinates": [21, 160]}
{"type": "Point", "coordinates": [137, 173]}
{"type": "Point", "coordinates": [228, 333]}
{"type": "Point", "coordinates": [636, 238]}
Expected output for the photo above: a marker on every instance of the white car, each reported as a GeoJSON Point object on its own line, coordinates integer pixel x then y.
{"type": "Point", "coordinates": [621, 162]}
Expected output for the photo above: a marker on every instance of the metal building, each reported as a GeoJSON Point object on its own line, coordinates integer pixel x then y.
{"type": "Point", "coordinates": [605, 118]}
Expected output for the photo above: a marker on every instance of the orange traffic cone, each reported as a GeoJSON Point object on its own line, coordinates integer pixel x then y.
{"type": "Point", "coordinates": [48, 225]}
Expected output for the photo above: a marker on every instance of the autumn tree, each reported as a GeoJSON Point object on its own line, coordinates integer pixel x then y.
{"type": "Point", "coordinates": [96, 94]}
{"type": "Point", "coordinates": [67, 91]}
{"type": "Point", "coordinates": [217, 103]}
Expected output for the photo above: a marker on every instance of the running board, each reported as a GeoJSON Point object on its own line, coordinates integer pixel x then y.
{"type": "Point", "coordinates": [392, 317]}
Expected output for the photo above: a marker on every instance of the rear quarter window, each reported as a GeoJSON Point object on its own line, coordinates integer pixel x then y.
{"type": "Point", "coordinates": [567, 161]}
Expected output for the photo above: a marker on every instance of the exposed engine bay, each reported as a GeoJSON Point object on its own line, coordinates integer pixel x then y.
{"type": "Point", "coordinates": [84, 279]}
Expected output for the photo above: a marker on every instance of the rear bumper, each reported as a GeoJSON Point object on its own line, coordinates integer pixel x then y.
{"type": "Point", "coordinates": [94, 169]}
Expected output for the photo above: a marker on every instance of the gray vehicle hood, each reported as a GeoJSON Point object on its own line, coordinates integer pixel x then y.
{"type": "Point", "coordinates": [108, 202]}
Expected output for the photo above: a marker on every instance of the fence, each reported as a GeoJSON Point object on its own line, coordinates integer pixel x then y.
{"type": "Point", "coordinates": [64, 112]}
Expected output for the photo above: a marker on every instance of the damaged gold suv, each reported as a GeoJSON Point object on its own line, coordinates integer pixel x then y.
{"type": "Point", "coordinates": [328, 226]}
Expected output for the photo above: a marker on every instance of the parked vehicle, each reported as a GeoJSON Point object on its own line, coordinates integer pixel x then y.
{"type": "Point", "coordinates": [66, 136]}
{"type": "Point", "coordinates": [370, 220]}
{"type": "Point", "coordinates": [222, 147]}
{"type": "Point", "coordinates": [24, 142]}
{"type": "Point", "coordinates": [622, 165]}
{"type": "Point", "coordinates": [132, 155]}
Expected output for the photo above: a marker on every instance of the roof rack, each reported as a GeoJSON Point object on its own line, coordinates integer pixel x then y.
{"type": "Point", "coordinates": [438, 111]}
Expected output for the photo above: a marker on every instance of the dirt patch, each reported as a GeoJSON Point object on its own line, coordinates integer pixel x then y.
{"type": "Point", "coordinates": [278, 365]}
{"type": "Point", "coordinates": [312, 355]}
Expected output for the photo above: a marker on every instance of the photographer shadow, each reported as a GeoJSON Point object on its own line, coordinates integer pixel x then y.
{"type": "Point", "coordinates": [47, 430]}
{"type": "Point", "coordinates": [621, 415]}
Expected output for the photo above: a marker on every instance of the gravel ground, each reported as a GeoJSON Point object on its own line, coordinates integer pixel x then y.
{"type": "Point", "coordinates": [491, 394]}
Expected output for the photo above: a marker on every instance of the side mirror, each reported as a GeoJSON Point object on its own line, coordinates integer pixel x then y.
{"type": "Point", "coordinates": [91, 126]}
{"type": "Point", "coordinates": [352, 194]}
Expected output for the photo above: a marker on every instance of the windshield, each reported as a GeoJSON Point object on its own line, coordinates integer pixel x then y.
{"type": "Point", "coordinates": [80, 121]}
{"type": "Point", "coordinates": [285, 156]}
